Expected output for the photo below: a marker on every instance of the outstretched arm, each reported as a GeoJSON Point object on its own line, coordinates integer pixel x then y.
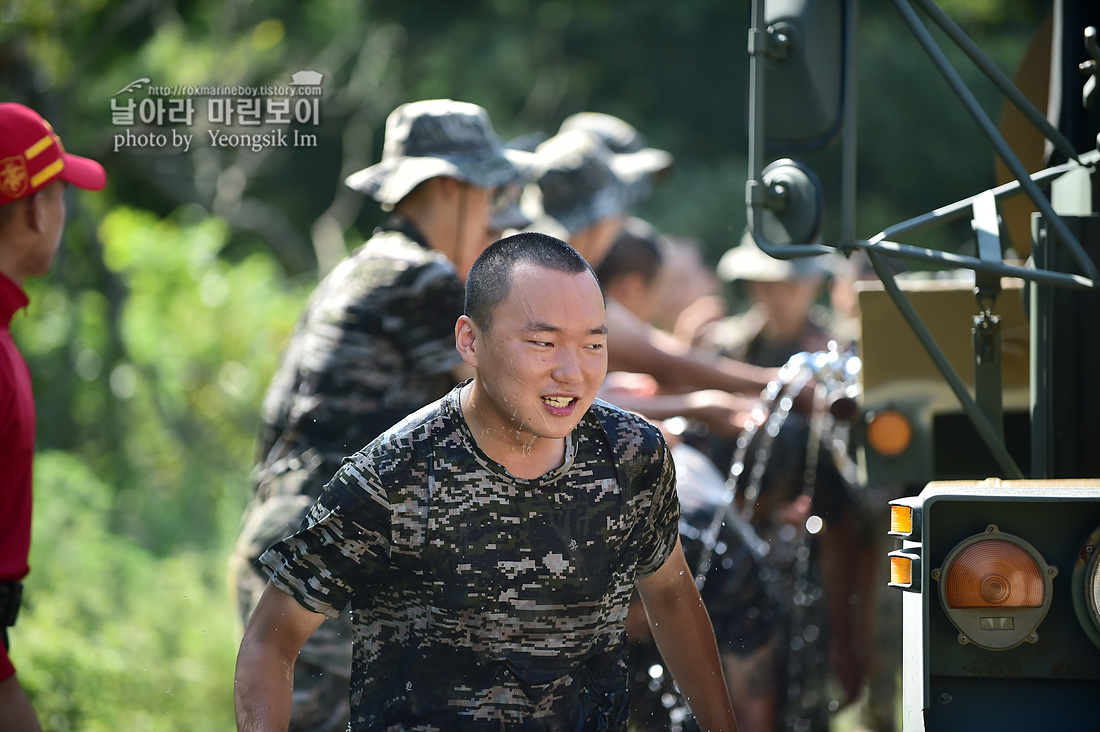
{"type": "Point", "coordinates": [724, 413]}
{"type": "Point", "coordinates": [636, 346]}
{"type": "Point", "coordinates": [681, 627]}
{"type": "Point", "coordinates": [264, 678]}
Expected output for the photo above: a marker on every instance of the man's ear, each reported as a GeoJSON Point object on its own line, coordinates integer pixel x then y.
{"type": "Point", "coordinates": [33, 212]}
{"type": "Point", "coordinates": [467, 338]}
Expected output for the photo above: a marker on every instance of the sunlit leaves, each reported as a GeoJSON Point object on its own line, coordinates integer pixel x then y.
{"type": "Point", "coordinates": [112, 636]}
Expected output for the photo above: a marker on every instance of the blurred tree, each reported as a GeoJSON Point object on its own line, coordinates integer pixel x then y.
{"type": "Point", "coordinates": [168, 414]}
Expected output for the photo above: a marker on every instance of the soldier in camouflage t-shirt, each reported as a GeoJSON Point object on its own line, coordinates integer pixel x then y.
{"type": "Point", "coordinates": [478, 598]}
{"type": "Point", "coordinates": [376, 342]}
{"type": "Point", "coordinates": [487, 546]}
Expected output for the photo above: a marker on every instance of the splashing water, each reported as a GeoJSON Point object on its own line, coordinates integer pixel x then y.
{"type": "Point", "coordinates": [832, 376]}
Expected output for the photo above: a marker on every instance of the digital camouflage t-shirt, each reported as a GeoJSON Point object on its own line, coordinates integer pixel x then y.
{"type": "Point", "coordinates": [481, 601]}
{"type": "Point", "coordinates": [376, 342]}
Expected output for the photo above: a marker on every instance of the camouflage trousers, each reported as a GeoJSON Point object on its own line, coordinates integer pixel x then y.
{"type": "Point", "coordinates": [322, 673]}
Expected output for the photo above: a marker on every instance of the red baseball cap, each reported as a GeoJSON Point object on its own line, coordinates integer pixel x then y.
{"type": "Point", "coordinates": [32, 157]}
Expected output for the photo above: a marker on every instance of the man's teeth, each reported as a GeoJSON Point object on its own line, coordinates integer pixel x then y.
{"type": "Point", "coordinates": [560, 402]}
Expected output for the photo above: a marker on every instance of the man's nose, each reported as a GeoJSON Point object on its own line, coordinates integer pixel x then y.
{"type": "Point", "coordinates": [567, 366]}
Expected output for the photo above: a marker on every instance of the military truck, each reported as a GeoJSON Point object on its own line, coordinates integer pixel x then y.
{"type": "Point", "coordinates": [979, 403]}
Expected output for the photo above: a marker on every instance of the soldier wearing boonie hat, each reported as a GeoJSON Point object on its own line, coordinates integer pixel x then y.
{"type": "Point", "coordinates": [621, 137]}
{"type": "Point", "coordinates": [33, 170]}
{"type": "Point", "coordinates": [375, 342]}
{"type": "Point", "coordinates": [442, 138]}
{"type": "Point", "coordinates": [781, 320]}
{"type": "Point", "coordinates": [582, 190]}
{"type": "Point", "coordinates": [748, 262]}
{"type": "Point", "coordinates": [434, 138]}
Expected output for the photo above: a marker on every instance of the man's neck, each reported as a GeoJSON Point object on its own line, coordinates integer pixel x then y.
{"type": "Point", "coordinates": [12, 298]}
{"type": "Point", "coordinates": [8, 265]}
{"type": "Point", "coordinates": [523, 455]}
{"type": "Point", "coordinates": [436, 226]}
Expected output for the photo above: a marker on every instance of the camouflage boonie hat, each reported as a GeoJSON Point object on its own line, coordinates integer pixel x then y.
{"type": "Point", "coordinates": [579, 181]}
{"type": "Point", "coordinates": [505, 212]}
{"type": "Point", "coordinates": [618, 135]}
{"type": "Point", "coordinates": [747, 261]}
{"type": "Point", "coordinates": [433, 138]}
{"type": "Point", "coordinates": [622, 137]}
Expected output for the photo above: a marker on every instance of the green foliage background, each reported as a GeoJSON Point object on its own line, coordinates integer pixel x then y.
{"type": "Point", "coordinates": [156, 333]}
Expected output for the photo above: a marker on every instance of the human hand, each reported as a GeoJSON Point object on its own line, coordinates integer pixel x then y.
{"type": "Point", "coordinates": [625, 383]}
{"type": "Point", "coordinates": [725, 414]}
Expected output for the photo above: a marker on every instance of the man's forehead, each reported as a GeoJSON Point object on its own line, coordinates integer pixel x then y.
{"type": "Point", "coordinates": [538, 293]}
{"type": "Point", "coordinates": [533, 270]}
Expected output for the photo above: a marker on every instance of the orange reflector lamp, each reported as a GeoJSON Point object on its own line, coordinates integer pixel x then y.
{"type": "Point", "coordinates": [996, 589]}
{"type": "Point", "coordinates": [889, 432]}
{"type": "Point", "coordinates": [993, 573]}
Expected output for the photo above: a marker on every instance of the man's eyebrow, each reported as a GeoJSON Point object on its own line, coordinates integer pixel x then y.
{"type": "Point", "coordinates": [543, 327]}
{"type": "Point", "coordinates": [539, 326]}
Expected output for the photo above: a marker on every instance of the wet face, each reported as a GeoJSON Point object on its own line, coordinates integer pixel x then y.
{"type": "Point", "coordinates": [543, 358]}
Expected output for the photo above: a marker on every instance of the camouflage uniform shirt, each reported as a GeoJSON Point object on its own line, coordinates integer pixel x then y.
{"type": "Point", "coordinates": [375, 343]}
{"type": "Point", "coordinates": [481, 601]}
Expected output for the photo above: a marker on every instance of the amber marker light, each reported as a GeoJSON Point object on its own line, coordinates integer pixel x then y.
{"type": "Point", "coordinates": [889, 432]}
{"type": "Point", "coordinates": [905, 569]}
{"type": "Point", "coordinates": [901, 571]}
{"type": "Point", "coordinates": [901, 520]}
{"type": "Point", "coordinates": [996, 589]}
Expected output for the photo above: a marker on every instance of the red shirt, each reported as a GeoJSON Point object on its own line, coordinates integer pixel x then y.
{"type": "Point", "coordinates": [16, 450]}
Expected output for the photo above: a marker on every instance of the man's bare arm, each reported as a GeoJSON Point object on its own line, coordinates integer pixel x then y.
{"type": "Point", "coordinates": [684, 635]}
{"type": "Point", "coordinates": [264, 678]}
{"type": "Point", "coordinates": [636, 346]}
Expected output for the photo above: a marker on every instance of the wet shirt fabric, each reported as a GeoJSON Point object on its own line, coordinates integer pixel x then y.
{"type": "Point", "coordinates": [375, 343]}
{"type": "Point", "coordinates": [481, 601]}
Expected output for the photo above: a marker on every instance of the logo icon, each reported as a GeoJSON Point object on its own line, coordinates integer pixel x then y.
{"type": "Point", "coordinates": [13, 176]}
{"type": "Point", "coordinates": [306, 78]}
{"type": "Point", "coordinates": [133, 86]}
